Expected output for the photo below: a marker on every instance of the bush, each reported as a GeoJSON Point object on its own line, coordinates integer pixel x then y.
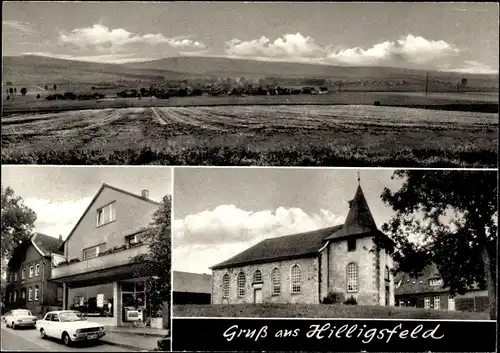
{"type": "Point", "coordinates": [333, 298]}
{"type": "Point", "coordinates": [351, 301]}
{"type": "Point", "coordinates": [163, 345]}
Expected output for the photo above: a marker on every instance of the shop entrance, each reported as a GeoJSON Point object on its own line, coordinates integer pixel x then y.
{"type": "Point", "coordinates": [133, 301]}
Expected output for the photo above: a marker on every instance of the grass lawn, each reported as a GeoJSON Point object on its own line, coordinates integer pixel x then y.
{"type": "Point", "coordinates": [321, 311]}
{"type": "Point", "coordinates": [277, 135]}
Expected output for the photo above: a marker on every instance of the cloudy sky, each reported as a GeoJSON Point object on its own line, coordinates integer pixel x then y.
{"type": "Point", "coordinates": [60, 195]}
{"type": "Point", "coordinates": [445, 36]}
{"type": "Point", "coordinates": [221, 212]}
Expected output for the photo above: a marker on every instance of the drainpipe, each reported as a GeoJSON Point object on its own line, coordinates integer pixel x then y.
{"type": "Point", "coordinates": [42, 280]}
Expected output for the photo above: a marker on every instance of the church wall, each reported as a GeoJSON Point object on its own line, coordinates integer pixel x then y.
{"type": "Point", "coordinates": [324, 273]}
{"type": "Point", "coordinates": [340, 257]}
{"type": "Point", "coordinates": [309, 283]}
{"type": "Point", "coordinates": [386, 260]}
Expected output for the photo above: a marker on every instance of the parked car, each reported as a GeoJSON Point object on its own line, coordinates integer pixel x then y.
{"type": "Point", "coordinates": [69, 326]}
{"type": "Point", "coordinates": [20, 318]}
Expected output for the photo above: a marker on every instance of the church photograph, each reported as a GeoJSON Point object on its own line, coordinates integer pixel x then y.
{"type": "Point", "coordinates": [281, 242]}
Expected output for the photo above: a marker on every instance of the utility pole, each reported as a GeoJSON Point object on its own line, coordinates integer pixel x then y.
{"type": "Point", "coordinates": [426, 83]}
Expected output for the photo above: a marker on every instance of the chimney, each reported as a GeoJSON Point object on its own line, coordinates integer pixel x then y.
{"type": "Point", "coordinates": [145, 194]}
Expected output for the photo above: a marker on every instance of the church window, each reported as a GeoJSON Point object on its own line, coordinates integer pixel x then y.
{"type": "Point", "coordinates": [295, 279]}
{"type": "Point", "coordinates": [276, 278]}
{"type": "Point", "coordinates": [257, 277]}
{"type": "Point", "coordinates": [225, 286]}
{"type": "Point", "coordinates": [241, 284]}
{"type": "Point", "coordinates": [352, 277]}
{"type": "Point", "coordinates": [351, 244]}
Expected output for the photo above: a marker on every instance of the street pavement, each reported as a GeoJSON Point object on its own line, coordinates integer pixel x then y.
{"type": "Point", "coordinates": [27, 339]}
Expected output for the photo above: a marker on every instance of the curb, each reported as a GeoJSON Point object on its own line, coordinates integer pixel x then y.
{"type": "Point", "coordinates": [126, 346]}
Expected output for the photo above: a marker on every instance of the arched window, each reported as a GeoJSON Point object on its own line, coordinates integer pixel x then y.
{"type": "Point", "coordinates": [295, 275]}
{"type": "Point", "coordinates": [276, 279]}
{"type": "Point", "coordinates": [23, 293]}
{"type": "Point", "coordinates": [36, 292]}
{"type": "Point", "coordinates": [257, 276]}
{"type": "Point", "coordinates": [37, 270]}
{"type": "Point", "coordinates": [30, 294]}
{"type": "Point", "coordinates": [352, 277]}
{"type": "Point", "coordinates": [15, 296]}
{"type": "Point", "coordinates": [225, 286]}
{"type": "Point", "coordinates": [241, 284]}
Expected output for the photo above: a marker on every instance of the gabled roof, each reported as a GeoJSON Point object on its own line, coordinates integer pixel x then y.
{"type": "Point", "coordinates": [359, 219]}
{"type": "Point", "coordinates": [296, 245]}
{"type": "Point", "coordinates": [104, 185]}
{"type": "Point", "coordinates": [46, 245]}
{"type": "Point", "coordinates": [188, 282]}
{"type": "Point", "coordinates": [420, 285]}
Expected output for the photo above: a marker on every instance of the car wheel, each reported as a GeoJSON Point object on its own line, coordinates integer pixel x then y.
{"type": "Point", "coordinates": [13, 325]}
{"type": "Point", "coordinates": [66, 339]}
{"type": "Point", "coordinates": [42, 333]}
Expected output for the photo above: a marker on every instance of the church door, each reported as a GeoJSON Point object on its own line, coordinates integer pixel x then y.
{"type": "Point", "coordinates": [257, 296]}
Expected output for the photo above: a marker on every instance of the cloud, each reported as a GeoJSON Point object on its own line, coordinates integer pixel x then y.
{"type": "Point", "coordinates": [407, 49]}
{"type": "Point", "coordinates": [103, 37]}
{"type": "Point", "coordinates": [22, 26]}
{"type": "Point", "coordinates": [54, 218]}
{"type": "Point", "coordinates": [473, 67]}
{"type": "Point", "coordinates": [289, 46]}
{"type": "Point", "coordinates": [204, 239]}
{"type": "Point", "coordinates": [105, 58]}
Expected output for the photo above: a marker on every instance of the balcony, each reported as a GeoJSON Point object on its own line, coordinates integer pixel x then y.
{"type": "Point", "coordinates": [99, 263]}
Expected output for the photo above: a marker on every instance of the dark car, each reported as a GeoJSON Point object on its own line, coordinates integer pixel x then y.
{"type": "Point", "coordinates": [69, 96]}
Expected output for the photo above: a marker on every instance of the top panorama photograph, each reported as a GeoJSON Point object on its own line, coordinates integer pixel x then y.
{"type": "Point", "coordinates": [250, 84]}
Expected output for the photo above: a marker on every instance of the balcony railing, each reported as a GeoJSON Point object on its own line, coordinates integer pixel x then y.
{"type": "Point", "coordinates": [117, 258]}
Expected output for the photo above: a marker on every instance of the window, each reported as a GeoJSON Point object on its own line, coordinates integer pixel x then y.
{"type": "Point", "coordinates": [31, 271]}
{"type": "Point", "coordinates": [276, 279]}
{"type": "Point", "coordinates": [55, 317]}
{"type": "Point", "coordinates": [134, 240]}
{"type": "Point", "coordinates": [427, 303]}
{"type": "Point", "coordinates": [15, 276]}
{"type": "Point", "coordinates": [23, 273]}
{"type": "Point", "coordinates": [48, 317]}
{"type": "Point", "coordinates": [352, 277]}
{"type": "Point", "coordinates": [37, 270]}
{"type": "Point", "coordinates": [106, 214]}
{"type": "Point", "coordinates": [93, 251]}
{"type": "Point", "coordinates": [225, 286]}
{"type": "Point", "coordinates": [36, 292]}
{"type": "Point", "coordinates": [451, 302]}
{"type": "Point", "coordinates": [437, 303]}
{"type": "Point", "coordinates": [295, 274]}
{"type": "Point", "coordinates": [23, 293]}
{"type": "Point", "coordinates": [241, 284]}
{"type": "Point", "coordinates": [15, 296]}
{"type": "Point", "coordinates": [435, 282]}
{"type": "Point", "coordinates": [257, 277]}
{"type": "Point", "coordinates": [387, 274]}
{"type": "Point", "coordinates": [30, 294]}
{"type": "Point", "coordinates": [401, 302]}
{"type": "Point", "coordinates": [351, 244]}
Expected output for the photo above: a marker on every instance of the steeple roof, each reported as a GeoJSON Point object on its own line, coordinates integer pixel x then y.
{"type": "Point", "coordinates": [359, 219]}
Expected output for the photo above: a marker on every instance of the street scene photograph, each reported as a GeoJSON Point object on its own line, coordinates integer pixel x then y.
{"type": "Point", "coordinates": [86, 258]}
{"type": "Point", "coordinates": [334, 243]}
{"type": "Point", "coordinates": [250, 84]}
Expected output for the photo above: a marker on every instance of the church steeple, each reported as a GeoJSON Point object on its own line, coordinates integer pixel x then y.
{"type": "Point", "coordinates": [359, 219]}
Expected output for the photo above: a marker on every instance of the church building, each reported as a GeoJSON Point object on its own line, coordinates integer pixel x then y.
{"type": "Point", "coordinates": [350, 260]}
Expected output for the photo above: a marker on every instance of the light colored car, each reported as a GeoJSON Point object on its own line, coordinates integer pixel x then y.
{"type": "Point", "coordinates": [20, 318]}
{"type": "Point", "coordinates": [69, 326]}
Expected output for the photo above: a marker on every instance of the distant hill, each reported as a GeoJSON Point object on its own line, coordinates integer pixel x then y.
{"type": "Point", "coordinates": [40, 70]}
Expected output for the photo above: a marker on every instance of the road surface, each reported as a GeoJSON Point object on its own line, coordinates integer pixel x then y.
{"type": "Point", "coordinates": [26, 339]}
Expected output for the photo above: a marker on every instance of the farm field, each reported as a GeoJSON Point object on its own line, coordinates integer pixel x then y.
{"type": "Point", "coordinates": [466, 101]}
{"type": "Point", "coordinates": [300, 135]}
{"type": "Point", "coordinates": [321, 311]}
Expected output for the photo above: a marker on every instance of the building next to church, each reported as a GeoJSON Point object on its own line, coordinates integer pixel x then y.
{"type": "Point", "coordinates": [28, 273]}
{"type": "Point", "coordinates": [427, 291]}
{"type": "Point", "coordinates": [191, 288]}
{"type": "Point", "coordinates": [96, 268]}
{"type": "Point", "coordinates": [352, 260]}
